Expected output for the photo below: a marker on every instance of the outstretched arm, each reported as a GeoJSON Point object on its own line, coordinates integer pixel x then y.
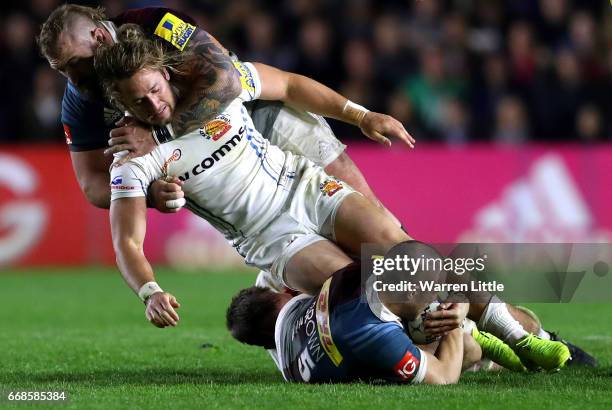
{"type": "Point", "coordinates": [128, 227]}
{"type": "Point", "coordinates": [310, 95]}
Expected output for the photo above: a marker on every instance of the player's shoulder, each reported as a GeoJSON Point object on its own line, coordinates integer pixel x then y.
{"type": "Point", "coordinates": [87, 121]}
{"type": "Point", "coordinates": [73, 103]}
{"type": "Point", "coordinates": [172, 27]}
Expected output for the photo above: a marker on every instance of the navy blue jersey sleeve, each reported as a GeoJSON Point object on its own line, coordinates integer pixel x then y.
{"type": "Point", "coordinates": [85, 121]}
{"type": "Point", "coordinates": [385, 348]}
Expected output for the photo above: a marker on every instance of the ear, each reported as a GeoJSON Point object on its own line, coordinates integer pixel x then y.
{"type": "Point", "coordinates": [166, 73]}
{"type": "Point", "coordinates": [99, 34]}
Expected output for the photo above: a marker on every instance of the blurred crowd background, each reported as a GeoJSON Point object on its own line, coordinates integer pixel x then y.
{"type": "Point", "coordinates": [451, 71]}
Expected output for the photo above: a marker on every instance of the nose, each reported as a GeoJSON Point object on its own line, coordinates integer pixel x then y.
{"type": "Point", "coordinates": [154, 103]}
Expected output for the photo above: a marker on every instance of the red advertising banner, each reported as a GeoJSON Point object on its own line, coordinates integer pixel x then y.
{"type": "Point", "coordinates": [44, 217]}
{"type": "Point", "coordinates": [441, 194]}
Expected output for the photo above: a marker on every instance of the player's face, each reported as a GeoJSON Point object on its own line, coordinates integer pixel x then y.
{"type": "Point", "coordinates": [75, 55]}
{"type": "Point", "coordinates": [148, 96]}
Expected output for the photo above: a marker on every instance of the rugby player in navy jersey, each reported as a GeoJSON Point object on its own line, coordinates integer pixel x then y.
{"type": "Point", "coordinates": [345, 333]}
{"type": "Point", "coordinates": [69, 38]}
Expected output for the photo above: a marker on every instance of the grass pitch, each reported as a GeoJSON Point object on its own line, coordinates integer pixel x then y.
{"type": "Point", "coordinates": [84, 332]}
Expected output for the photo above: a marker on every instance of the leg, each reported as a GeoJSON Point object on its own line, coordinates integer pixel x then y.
{"type": "Point", "coordinates": [495, 317]}
{"type": "Point", "coordinates": [472, 352]}
{"type": "Point", "coordinates": [308, 135]}
{"type": "Point", "coordinates": [529, 324]}
{"type": "Point", "coordinates": [310, 267]}
{"type": "Point", "coordinates": [345, 169]}
{"type": "Point", "coordinates": [358, 221]}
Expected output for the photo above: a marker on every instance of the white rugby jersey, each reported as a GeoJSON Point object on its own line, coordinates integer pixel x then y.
{"type": "Point", "coordinates": [232, 176]}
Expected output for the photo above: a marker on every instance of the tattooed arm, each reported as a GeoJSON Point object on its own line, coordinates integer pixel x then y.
{"type": "Point", "coordinates": [207, 80]}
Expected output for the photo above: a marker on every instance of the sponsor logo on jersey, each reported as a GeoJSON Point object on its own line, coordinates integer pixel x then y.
{"type": "Point", "coordinates": [116, 184]}
{"type": "Point", "coordinates": [176, 155]}
{"type": "Point", "coordinates": [324, 326]}
{"type": "Point", "coordinates": [211, 160]}
{"type": "Point", "coordinates": [67, 134]}
{"type": "Point", "coordinates": [246, 78]}
{"type": "Point", "coordinates": [330, 186]}
{"type": "Point", "coordinates": [216, 128]}
{"type": "Point", "coordinates": [174, 30]}
{"type": "Point", "coordinates": [407, 367]}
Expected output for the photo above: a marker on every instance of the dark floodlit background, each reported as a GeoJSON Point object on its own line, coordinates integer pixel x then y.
{"type": "Point", "coordinates": [510, 102]}
{"type": "Point", "coordinates": [452, 71]}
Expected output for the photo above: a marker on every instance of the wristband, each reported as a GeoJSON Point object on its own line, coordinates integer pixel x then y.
{"type": "Point", "coordinates": [164, 134]}
{"type": "Point", "coordinates": [354, 112]}
{"type": "Point", "coordinates": [148, 289]}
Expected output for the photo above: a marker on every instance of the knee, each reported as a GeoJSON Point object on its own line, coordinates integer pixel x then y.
{"type": "Point", "coordinates": [393, 235]}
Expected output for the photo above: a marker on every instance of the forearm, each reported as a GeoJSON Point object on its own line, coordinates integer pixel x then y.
{"type": "Point", "coordinates": [312, 96]}
{"type": "Point", "coordinates": [305, 93]}
{"type": "Point", "coordinates": [128, 218]}
{"type": "Point", "coordinates": [133, 264]}
{"type": "Point", "coordinates": [445, 366]}
{"type": "Point", "coordinates": [450, 355]}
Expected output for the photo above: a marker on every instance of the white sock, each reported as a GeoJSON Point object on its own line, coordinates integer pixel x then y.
{"type": "Point", "coordinates": [543, 334]}
{"type": "Point", "coordinates": [497, 319]}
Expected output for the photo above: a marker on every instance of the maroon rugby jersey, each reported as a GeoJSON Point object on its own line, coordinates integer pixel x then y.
{"type": "Point", "coordinates": [172, 27]}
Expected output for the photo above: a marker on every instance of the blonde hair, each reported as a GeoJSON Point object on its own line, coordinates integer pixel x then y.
{"type": "Point", "coordinates": [59, 20]}
{"type": "Point", "coordinates": [132, 52]}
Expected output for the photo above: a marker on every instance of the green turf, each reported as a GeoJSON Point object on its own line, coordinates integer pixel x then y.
{"type": "Point", "coordinates": [84, 332]}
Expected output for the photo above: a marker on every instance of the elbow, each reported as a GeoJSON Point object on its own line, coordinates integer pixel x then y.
{"type": "Point", "coordinates": [444, 380]}
{"type": "Point", "coordinates": [440, 380]}
{"type": "Point", "coordinates": [98, 196]}
{"type": "Point", "coordinates": [94, 199]}
{"type": "Point", "coordinates": [443, 375]}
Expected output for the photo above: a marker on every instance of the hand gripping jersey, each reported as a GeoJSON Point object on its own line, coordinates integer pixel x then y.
{"type": "Point", "coordinates": [340, 335]}
{"type": "Point", "coordinates": [268, 203]}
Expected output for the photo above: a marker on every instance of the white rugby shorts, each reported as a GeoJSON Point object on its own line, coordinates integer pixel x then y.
{"type": "Point", "coordinates": [308, 217]}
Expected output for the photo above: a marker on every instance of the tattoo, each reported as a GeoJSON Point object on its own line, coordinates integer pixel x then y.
{"type": "Point", "coordinates": [207, 83]}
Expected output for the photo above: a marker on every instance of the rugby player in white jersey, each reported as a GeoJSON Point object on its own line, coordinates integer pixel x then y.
{"type": "Point", "coordinates": [71, 35]}
{"type": "Point", "coordinates": [281, 212]}
{"type": "Point", "coordinates": [249, 189]}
